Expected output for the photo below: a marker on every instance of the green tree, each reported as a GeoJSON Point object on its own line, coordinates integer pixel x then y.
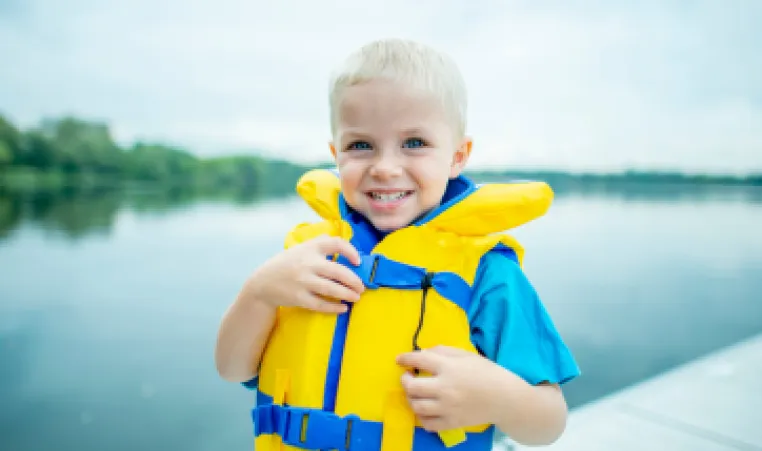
{"type": "Point", "coordinates": [154, 162]}
{"type": "Point", "coordinates": [37, 150]}
{"type": "Point", "coordinates": [83, 146]}
{"type": "Point", "coordinates": [10, 142]}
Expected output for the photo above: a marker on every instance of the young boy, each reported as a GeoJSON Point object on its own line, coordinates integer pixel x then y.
{"type": "Point", "coordinates": [402, 320]}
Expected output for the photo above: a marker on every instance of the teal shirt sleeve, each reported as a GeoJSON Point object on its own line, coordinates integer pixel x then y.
{"type": "Point", "coordinates": [510, 325]}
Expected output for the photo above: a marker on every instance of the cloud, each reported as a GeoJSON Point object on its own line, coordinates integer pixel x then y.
{"type": "Point", "coordinates": [594, 86]}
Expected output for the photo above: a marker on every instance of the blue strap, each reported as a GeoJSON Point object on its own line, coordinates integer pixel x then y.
{"type": "Point", "coordinates": [322, 430]}
{"type": "Point", "coordinates": [326, 430]}
{"type": "Point", "coordinates": [376, 270]}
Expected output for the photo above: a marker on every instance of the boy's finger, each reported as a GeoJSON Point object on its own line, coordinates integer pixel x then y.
{"type": "Point", "coordinates": [340, 273]}
{"type": "Point", "coordinates": [420, 387]}
{"type": "Point", "coordinates": [319, 304]}
{"type": "Point", "coordinates": [332, 289]}
{"type": "Point", "coordinates": [330, 307]}
{"type": "Point", "coordinates": [426, 407]}
{"type": "Point", "coordinates": [335, 245]}
{"type": "Point", "coordinates": [422, 360]}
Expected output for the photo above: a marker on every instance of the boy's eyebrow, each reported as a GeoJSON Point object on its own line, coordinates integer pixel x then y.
{"type": "Point", "coordinates": [352, 133]}
{"type": "Point", "coordinates": [415, 131]}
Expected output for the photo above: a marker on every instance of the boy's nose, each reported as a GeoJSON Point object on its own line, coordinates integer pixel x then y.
{"type": "Point", "coordinates": [386, 166]}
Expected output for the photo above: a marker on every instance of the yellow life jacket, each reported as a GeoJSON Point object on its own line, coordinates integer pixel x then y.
{"type": "Point", "coordinates": [330, 381]}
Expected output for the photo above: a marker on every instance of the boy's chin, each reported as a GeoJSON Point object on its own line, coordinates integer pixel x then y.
{"type": "Point", "coordinates": [387, 225]}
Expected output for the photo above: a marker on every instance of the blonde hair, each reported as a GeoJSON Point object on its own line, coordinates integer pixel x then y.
{"type": "Point", "coordinates": [412, 63]}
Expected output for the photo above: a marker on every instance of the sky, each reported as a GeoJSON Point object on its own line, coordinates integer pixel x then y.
{"type": "Point", "coordinates": [581, 86]}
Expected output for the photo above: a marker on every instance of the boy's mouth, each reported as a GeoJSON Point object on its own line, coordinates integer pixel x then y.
{"type": "Point", "coordinates": [388, 196]}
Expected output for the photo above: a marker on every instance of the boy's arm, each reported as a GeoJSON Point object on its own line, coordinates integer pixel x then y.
{"type": "Point", "coordinates": [532, 415]}
{"type": "Point", "coordinates": [300, 276]}
{"type": "Point", "coordinates": [242, 337]}
{"type": "Point", "coordinates": [514, 331]}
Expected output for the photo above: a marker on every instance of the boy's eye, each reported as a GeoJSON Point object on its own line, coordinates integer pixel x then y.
{"type": "Point", "coordinates": [359, 145]}
{"type": "Point", "coordinates": [414, 142]}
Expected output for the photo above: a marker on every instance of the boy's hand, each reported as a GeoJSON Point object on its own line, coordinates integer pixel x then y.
{"type": "Point", "coordinates": [302, 276]}
{"type": "Point", "coordinates": [459, 390]}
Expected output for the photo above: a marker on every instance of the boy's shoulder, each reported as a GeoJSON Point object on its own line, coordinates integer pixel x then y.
{"type": "Point", "coordinates": [511, 325]}
{"type": "Point", "coordinates": [499, 266]}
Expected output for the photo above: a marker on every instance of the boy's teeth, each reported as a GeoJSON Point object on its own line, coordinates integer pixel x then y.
{"type": "Point", "coordinates": [388, 196]}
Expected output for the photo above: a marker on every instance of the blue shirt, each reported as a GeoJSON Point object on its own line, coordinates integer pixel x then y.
{"type": "Point", "coordinates": [511, 327]}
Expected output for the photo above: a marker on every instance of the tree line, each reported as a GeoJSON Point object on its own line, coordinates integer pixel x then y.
{"type": "Point", "coordinates": [69, 150]}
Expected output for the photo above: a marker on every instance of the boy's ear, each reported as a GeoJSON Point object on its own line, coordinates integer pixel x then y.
{"type": "Point", "coordinates": [333, 149]}
{"type": "Point", "coordinates": [460, 157]}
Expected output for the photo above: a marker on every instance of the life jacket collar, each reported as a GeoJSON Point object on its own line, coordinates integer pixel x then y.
{"type": "Point", "coordinates": [466, 208]}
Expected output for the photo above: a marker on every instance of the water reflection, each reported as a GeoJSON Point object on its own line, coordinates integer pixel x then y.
{"type": "Point", "coordinates": [660, 192]}
{"type": "Point", "coordinates": [78, 213]}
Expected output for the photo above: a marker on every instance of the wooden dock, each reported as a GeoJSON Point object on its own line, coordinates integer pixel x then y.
{"type": "Point", "coordinates": [713, 403]}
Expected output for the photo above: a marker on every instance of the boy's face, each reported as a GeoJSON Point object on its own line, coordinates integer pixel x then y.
{"type": "Point", "coordinates": [395, 149]}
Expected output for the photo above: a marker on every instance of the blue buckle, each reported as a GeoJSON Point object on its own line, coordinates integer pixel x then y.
{"type": "Point", "coordinates": [367, 269]}
{"type": "Point", "coordinates": [322, 430]}
{"type": "Point", "coordinates": [270, 419]}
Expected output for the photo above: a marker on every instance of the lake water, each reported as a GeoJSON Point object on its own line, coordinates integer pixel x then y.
{"type": "Point", "coordinates": [109, 304]}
